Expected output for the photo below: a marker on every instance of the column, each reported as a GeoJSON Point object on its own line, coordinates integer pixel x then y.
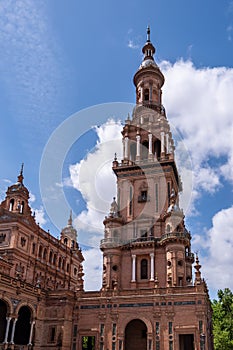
{"type": "Point", "coordinates": [167, 143]}
{"type": "Point", "coordinates": [150, 92]}
{"type": "Point", "coordinates": [13, 331]}
{"type": "Point", "coordinates": [8, 319]}
{"type": "Point", "coordinates": [162, 142]}
{"type": "Point", "coordinates": [126, 147]}
{"type": "Point", "coordinates": [142, 93]}
{"type": "Point", "coordinates": [133, 268]}
{"type": "Point", "coordinates": [123, 142]}
{"type": "Point", "coordinates": [152, 270]}
{"type": "Point", "coordinates": [31, 333]}
{"type": "Point", "coordinates": [138, 154]}
{"type": "Point", "coordinates": [150, 144]}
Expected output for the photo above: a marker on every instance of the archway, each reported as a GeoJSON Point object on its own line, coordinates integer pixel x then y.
{"type": "Point", "coordinates": [23, 326]}
{"type": "Point", "coordinates": [136, 335]}
{"type": "Point", "coordinates": [3, 315]}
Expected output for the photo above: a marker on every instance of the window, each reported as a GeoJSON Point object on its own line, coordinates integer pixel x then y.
{"type": "Point", "coordinates": [52, 334]}
{"type": "Point", "coordinates": [168, 192]}
{"type": "Point", "coordinates": [102, 330]}
{"type": "Point", "coordinates": [144, 269]}
{"type": "Point", "coordinates": [146, 95]}
{"type": "Point", "coordinates": [143, 197]}
{"type": "Point", "coordinates": [156, 198]}
{"type": "Point", "coordinates": [88, 343]}
{"type": "Point", "coordinates": [33, 248]}
{"type": "Point", "coordinates": [40, 252]}
{"type": "Point", "coordinates": [45, 254]}
{"type": "Point", "coordinates": [130, 200]}
{"type": "Point", "coordinates": [114, 329]}
{"type": "Point", "coordinates": [12, 201]}
{"type": "Point", "coordinates": [170, 327]}
{"type": "Point", "coordinates": [157, 328]}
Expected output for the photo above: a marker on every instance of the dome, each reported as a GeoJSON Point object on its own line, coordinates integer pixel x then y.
{"type": "Point", "coordinates": [148, 63]}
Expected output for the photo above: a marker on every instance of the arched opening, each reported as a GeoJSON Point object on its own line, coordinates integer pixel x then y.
{"type": "Point", "coordinates": [144, 269]}
{"type": "Point", "coordinates": [12, 202]}
{"type": "Point", "coordinates": [50, 257]}
{"type": "Point", "coordinates": [3, 322]}
{"type": "Point", "coordinates": [40, 251]}
{"type": "Point", "coordinates": [136, 335]}
{"type": "Point", "coordinates": [45, 254]}
{"type": "Point", "coordinates": [22, 207]}
{"type": "Point", "coordinates": [133, 151]}
{"type": "Point", "coordinates": [146, 95]}
{"type": "Point", "coordinates": [157, 149]}
{"type": "Point", "coordinates": [23, 326]}
{"type": "Point", "coordinates": [145, 146]}
{"type": "Point", "coordinates": [59, 262]}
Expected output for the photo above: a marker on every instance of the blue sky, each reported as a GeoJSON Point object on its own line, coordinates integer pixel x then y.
{"type": "Point", "coordinates": [58, 58]}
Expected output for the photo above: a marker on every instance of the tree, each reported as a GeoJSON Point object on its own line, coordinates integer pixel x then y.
{"type": "Point", "coordinates": [223, 320]}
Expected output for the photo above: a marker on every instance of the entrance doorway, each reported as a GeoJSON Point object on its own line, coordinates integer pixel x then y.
{"type": "Point", "coordinates": [186, 341]}
{"type": "Point", "coordinates": [88, 343]}
{"type": "Point", "coordinates": [136, 335]}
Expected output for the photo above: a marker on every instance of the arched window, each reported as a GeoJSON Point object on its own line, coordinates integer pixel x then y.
{"type": "Point", "coordinates": [45, 254]}
{"type": "Point", "coordinates": [133, 151]}
{"type": "Point", "coordinates": [3, 318]}
{"type": "Point", "coordinates": [50, 257]}
{"type": "Point", "coordinates": [59, 263]}
{"type": "Point", "coordinates": [67, 267]}
{"type": "Point", "coordinates": [145, 146]}
{"type": "Point", "coordinates": [65, 240]}
{"type": "Point", "coordinates": [157, 149]}
{"type": "Point", "coordinates": [40, 251]}
{"type": "Point", "coordinates": [22, 329]}
{"type": "Point", "coordinates": [146, 95]}
{"type": "Point", "coordinates": [144, 269]}
{"type": "Point", "coordinates": [12, 202]}
{"type": "Point", "coordinates": [63, 264]}
{"type": "Point", "coordinates": [22, 207]}
{"type": "Point", "coordinates": [54, 259]}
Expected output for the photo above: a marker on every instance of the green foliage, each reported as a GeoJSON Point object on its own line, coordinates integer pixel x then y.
{"type": "Point", "coordinates": [223, 320]}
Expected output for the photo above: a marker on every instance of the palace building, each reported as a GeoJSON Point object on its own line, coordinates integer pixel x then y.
{"type": "Point", "coordinates": [150, 297]}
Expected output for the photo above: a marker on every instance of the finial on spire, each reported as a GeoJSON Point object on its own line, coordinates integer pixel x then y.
{"type": "Point", "coordinates": [148, 34]}
{"type": "Point", "coordinates": [20, 176]}
{"type": "Point", "coordinates": [70, 218]}
{"type": "Point", "coordinates": [21, 171]}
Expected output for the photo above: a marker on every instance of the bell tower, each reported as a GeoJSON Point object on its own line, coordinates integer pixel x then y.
{"type": "Point", "coordinates": [146, 243]}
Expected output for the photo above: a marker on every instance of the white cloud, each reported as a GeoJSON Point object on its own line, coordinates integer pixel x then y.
{"type": "Point", "coordinates": [217, 265]}
{"type": "Point", "coordinates": [93, 177]}
{"type": "Point", "coordinates": [39, 213]}
{"type": "Point", "coordinates": [40, 216]}
{"type": "Point", "coordinates": [92, 269]}
{"type": "Point", "coordinates": [132, 45]}
{"type": "Point", "coordinates": [198, 102]}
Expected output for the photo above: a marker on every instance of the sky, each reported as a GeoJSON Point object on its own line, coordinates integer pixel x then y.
{"type": "Point", "coordinates": [66, 70]}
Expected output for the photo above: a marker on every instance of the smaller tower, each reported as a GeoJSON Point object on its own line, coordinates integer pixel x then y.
{"type": "Point", "coordinates": [69, 234]}
{"type": "Point", "coordinates": [17, 197]}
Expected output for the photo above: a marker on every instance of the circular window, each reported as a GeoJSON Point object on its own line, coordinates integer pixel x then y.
{"type": "Point", "coordinates": [180, 263]}
{"type": "Point", "coordinates": [169, 263]}
{"type": "Point", "coordinates": [114, 267]}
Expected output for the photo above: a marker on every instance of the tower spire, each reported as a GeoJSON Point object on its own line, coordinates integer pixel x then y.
{"type": "Point", "coordinates": [148, 34]}
{"type": "Point", "coordinates": [70, 218]}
